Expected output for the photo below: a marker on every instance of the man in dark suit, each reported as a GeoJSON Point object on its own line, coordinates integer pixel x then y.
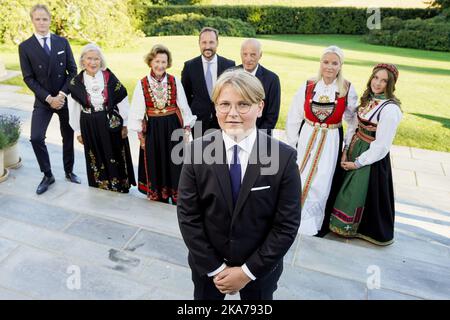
{"type": "Point", "coordinates": [251, 53]}
{"type": "Point", "coordinates": [47, 66]}
{"type": "Point", "coordinates": [238, 198]}
{"type": "Point", "coordinates": [199, 76]}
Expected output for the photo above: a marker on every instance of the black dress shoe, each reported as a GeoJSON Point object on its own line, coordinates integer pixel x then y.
{"type": "Point", "coordinates": [45, 183]}
{"type": "Point", "coordinates": [72, 177]}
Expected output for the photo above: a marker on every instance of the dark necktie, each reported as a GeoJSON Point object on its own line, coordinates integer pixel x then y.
{"type": "Point", "coordinates": [46, 48]}
{"type": "Point", "coordinates": [235, 174]}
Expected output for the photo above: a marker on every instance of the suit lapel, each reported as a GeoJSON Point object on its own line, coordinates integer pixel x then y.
{"type": "Point", "coordinates": [220, 68]}
{"type": "Point", "coordinates": [260, 73]}
{"type": "Point", "coordinates": [251, 174]}
{"type": "Point", "coordinates": [223, 175]}
{"type": "Point", "coordinates": [201, 76]}
{"type": "Point", "coordinates": [37, 48]}
{"type": "Point", "coordinates": [53, 51]}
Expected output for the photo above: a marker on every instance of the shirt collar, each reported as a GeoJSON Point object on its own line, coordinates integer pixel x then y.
{"type": "Point", "coordinates": [164, 79]}
{"type": "Point", "coordinates": [253, 73]}
{"type": "Point", "coordinates": [245, 144]}
{"type": "Point", "coordinates": [213, 61]}
{"type": "Point", "coordinates": [97, 76]}
{"type": "Point", "coordinates": [39, 37]}
{"type": "Point", "coordinates": [321, 82]}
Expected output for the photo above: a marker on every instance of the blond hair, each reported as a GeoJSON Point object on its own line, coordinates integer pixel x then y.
{"type": "Point", "coordinates": [247, 85]}
{"type": "Point", "coordinates": [342, 84]}
{"type": "Point", "coordinates": [39, 7]}
{"type": "Point", "coordinates": [158, 49]}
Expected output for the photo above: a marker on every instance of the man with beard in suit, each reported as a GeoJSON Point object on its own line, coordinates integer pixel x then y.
{"type": "Point", "coordinates": [238, 198]}
{"type": "Point", "coordinates": [47, 67]}
{"type": "Point", "coordinates": [199, 76]}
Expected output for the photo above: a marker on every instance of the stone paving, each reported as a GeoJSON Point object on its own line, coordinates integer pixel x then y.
{"type": "Point", "coordinates": [125, 247]}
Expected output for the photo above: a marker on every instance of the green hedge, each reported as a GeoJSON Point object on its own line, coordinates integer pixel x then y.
{"type": "Point", "coordinates": [192, 23]}
{"type": "Point", "coordinates": [429, 34]}
{"type": "Point", "coordinates": [290, 20]}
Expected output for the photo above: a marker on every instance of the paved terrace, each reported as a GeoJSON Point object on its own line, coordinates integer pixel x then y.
{"type": "Point", "coordinates": [126, 247]}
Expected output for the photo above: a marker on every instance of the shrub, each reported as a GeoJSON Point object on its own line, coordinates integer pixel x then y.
{"type": "Point", "coordinates": [429, 34]}
{"type": "Point", "coordinates": [10, 129]}
{"type": "Point", "coordinates": [290, 20]}
{"type": "Point", "coordinates": [192, 23]}
{"type": "Point", "coordinates": [3, 142]}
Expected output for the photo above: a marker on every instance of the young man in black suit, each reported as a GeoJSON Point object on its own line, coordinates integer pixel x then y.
{"type": "Point", "coordinates": [238, 198]}
{"type": "Point", "coordinates": [251, 53]}
{"type": "Point", "coordinates": [47, 67]}
{"type": "Point", "coordinates": [199, 76]}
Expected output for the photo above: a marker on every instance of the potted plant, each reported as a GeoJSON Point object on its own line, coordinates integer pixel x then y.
{"type": "Point", "coordinates": [3, 170]}
{"type": "Point", "coordinates": [10, 126]}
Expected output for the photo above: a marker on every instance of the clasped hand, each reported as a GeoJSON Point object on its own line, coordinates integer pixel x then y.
{"type": "Point", "coordinates": [57, 102]}
{"type": "Point", "coordinates": [231, 280]}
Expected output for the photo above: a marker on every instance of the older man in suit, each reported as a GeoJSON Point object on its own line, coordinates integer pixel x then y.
{"type": "Point", "coordinates": [251, 53]}
{"type": "Point", "coordinates": [238, 198]}
{"type": "Point", "coordinates": [199, 76]}
{"type": "Point", "coordinates": [48, 65]}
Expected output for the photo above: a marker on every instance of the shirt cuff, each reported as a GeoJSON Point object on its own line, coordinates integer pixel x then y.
{"type": "Point", "coordinates": [218, 270]}
{"type": "Point", "coordinates": [357, 164]}
{"type": "Point", "coordinates": [46, 98]}
{"type": "Point", "coordinates": [63, 93]}
{"type": "Point", "coordinates": [247, 272]}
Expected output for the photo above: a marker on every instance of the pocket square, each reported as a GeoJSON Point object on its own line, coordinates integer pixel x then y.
{"type": "Point", "coordinates": [260, 188]}
{"type": "Point", "coordinates": [60, 52]}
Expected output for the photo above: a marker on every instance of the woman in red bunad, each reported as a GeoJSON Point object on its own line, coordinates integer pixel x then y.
{"type": "Point", "coordinates": [159, 108]}
{"type": "Point", "coordinates": [314, 128]}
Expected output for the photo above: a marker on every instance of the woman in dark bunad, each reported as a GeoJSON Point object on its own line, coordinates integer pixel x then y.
{"type": "Point", "coordinates": [159, 107]}
{"type": "Point", "coordinates": [98, 113]}
{"type": "Point", "coordinates": [364, 206]}
{"type": "Point", "coordinates": [314, 128]}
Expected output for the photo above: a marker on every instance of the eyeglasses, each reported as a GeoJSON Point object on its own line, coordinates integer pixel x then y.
{"type": "Point", "coordinates": [241, 107]}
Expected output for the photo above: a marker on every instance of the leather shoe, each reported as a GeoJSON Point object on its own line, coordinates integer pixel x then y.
{"type": "Point", "coordinates": [72, 177]}
{"type": "Point", "coordinates": [45, 183]}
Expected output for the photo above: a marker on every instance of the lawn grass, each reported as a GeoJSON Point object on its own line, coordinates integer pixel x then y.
{"type": "Point", "coordinates": [423, 85]}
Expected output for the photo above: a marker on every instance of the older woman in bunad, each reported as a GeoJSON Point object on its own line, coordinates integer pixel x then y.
{"type": "Point", "coordinates": [158, 109]}
{"type": "Point", "coordinates": [314, 128]}
{"type": "Point", "coordinates": [364, 206]}
{"type": "Point", "coordinates": [98, 113]}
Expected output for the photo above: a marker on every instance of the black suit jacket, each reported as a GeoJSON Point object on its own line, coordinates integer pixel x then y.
{"type": "Point", "coordinates": [272, 89]}
{"type": "Point", "coordinates": [194, 84]}
{"type": "Point", "coordinates": [46, 75]}
{"type": "Point", "coordinates": [263, 224]}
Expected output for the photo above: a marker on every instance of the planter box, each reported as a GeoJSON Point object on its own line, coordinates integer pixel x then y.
{"type": "Point", "coordinates": [3, 171]}
{"type": "Point", "coordinates": [11, 157]}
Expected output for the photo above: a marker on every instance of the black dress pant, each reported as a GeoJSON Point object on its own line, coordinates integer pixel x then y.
{"type": "Point", "coordinates": [259, 289]}
{"type": "Point", "coordinates": [39, 123]}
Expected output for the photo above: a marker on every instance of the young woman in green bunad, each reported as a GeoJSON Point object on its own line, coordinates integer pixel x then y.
{"type": "Point", "coordinates": [364, 207]}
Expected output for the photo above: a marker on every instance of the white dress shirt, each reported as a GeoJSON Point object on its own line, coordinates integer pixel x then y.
{"type": "Point", "coordinates": [296, 112]}
{"type": "Point", "coordinates": [213, 68]}
{"type": "Point", "coordinates": [94, 86]}
{"type": "Point", "coordinates": [253, 73]}
{"type": "Point", "coordinates": [41, 40]}
{"type": "Point", "coordinates": [390, 117]}
{"type": "Point", "coordinates": [245, 148]}
{"type": "Point", "coordinates": [138, 107]}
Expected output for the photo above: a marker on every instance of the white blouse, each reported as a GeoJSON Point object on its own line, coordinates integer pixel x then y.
{"type": "Point", "coordinates": [138, 107]}
{"type": "Point", "coordinates": [297, 111]}
{"type": "Point", "coordinates": [94, 86]}
{"type": "Point", "coordinates": [390, 118]}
